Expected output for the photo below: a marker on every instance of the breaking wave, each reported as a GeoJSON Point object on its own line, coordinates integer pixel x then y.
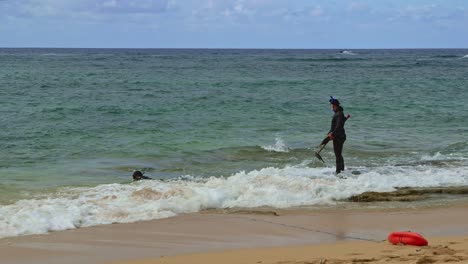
{"type": "Point", "coordinates": [290, 186]}
{"type": "Point", "coordinates": [279, 146]}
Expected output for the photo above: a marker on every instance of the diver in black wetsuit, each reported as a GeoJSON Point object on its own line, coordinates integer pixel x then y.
{"type": "Point", "coordinates": [137, 175]}
{"type": "Point", "coordinates": [337, 133]}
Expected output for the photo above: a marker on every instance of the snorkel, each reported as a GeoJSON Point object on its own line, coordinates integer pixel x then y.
{"type": "Point", "coordinates": [334, 103]}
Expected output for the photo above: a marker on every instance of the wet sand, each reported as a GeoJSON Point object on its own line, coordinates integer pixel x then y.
{"type": "Point", "coordinates": [277, 235]}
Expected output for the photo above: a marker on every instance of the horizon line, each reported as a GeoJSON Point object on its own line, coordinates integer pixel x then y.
{"type": "Point", "coordinates": [228, 48]}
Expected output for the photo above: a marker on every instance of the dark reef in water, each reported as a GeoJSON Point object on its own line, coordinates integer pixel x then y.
{"type": "Point", "coordinates": [408, 194]}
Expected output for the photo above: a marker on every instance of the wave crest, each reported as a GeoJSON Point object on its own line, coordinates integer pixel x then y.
{"type": "Point", "coordinates": [273, 187]}
{"type": "Point", "coordinates": [347, 52]}
{"type": "Point", "coordinates": [279, 146]}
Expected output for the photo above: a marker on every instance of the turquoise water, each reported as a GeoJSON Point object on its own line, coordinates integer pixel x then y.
{"type": "Point", "coordinates": [219, 129]}
{"type": "Point", "coordinates": [74, 117]}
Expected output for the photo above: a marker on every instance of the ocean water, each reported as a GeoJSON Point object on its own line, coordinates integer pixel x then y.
{"type": "Point", "coordinates": [218, 129]}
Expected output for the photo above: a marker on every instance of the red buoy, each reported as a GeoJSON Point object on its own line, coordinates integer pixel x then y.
{"type": "Point", "coordinates": [407, 238]}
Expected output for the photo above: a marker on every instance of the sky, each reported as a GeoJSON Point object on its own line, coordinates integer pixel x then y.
{"type": "Point", "coordinates": [283, 24]}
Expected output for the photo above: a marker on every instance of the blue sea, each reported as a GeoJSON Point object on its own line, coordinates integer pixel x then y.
{"type": "Point", "coordinates": [219, 129]}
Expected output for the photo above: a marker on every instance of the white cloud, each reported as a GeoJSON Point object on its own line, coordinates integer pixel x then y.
{"type": "Point", "coordinates": [218, 17]}
{"type": "Point", "coordinates": [45, 8]}
{"type": "Point", "coordinates": [316, 11]}
{"type": "Point", "coordinates": [76, 8]}
{"type": "Point", "coordinates": [357, 7]}
{"type": "Point", "coordinates": [110, 3]}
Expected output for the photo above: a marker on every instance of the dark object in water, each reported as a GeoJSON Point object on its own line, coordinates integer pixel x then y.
{"type": "Point", "coordinates": [322, 145]}
{"type": "Point", "coordinates": [138, 175]}
{"type": "Point", "coordinates": [317, 155]}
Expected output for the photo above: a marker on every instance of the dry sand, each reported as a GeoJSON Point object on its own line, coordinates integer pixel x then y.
{"type": "Point", "coordinates": [262, 237]}
{"type": "Point", "coordinates": [442, 250]}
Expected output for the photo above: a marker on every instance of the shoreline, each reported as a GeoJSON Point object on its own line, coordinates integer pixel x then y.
{"type": "Point", "coordinates": [220, 232]}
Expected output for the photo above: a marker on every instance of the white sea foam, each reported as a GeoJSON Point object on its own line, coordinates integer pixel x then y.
{"type": "Point", "coordinates": [466, 56]}
{"type": "Point", "coordinates": [55, 54]}
{"type": "Point", "coordinates": [145, 200]}
{"type": "Point", "coordinates": [279, 146]}
{"type": "Point", "coordinates": [347, 52]}
{"type": "Point", "coordinates": [442, 157]}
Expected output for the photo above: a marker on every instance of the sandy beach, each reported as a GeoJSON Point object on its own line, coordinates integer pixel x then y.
{"type": "Point", "coordinates": [443, 250]}
{"type": "Point", "coordinates": [261, 236]}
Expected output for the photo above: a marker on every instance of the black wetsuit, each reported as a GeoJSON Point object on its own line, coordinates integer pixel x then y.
{"type": "Point", "coordinates": [339, 137]}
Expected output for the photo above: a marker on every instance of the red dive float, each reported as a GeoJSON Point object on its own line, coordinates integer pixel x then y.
{"type": "Point", "coordinates": [407, 238]}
